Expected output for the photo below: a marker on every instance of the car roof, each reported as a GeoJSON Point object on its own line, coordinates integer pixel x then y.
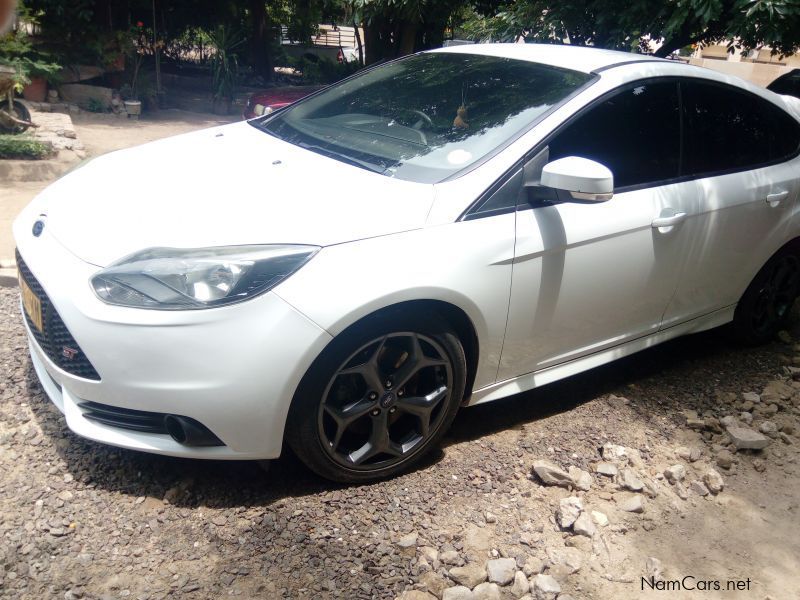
{"type": "Point", "coordinates": [576, 58]}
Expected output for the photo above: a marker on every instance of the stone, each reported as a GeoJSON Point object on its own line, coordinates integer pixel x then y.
{"type": "Point", "coordinates": [487, 591]}
{"type": "Point", "coordinates": [489, 517]}
{"type": "Point", "coordinates": [628, 480]}
{"type": "Point", "coordinates": [713, 481]}
{"type": "Point", "coordinates": [581, 480]}
{"type": "Point", "coordinates": [745, 438]}
{"type": "Point", "coordinates": [699, 488]}
{"type": "Point", "coordinates": [725, 459]}
{"type": "Point", "coordinates": [551, 474]}
{"type": "Point", "coordinates": [430, 554]}
{"type": "Point", "coordinates": [768, 428]}
{"type": "Point", "coordinates": [408, 543]}
{"type": "Point", "coordinates": [584, 525]}
{"type": "Point", "coordinates": [728, 421]}
{"type": "Point", "coordinates": [469, 575]}
{"type": "Point", "coordinates": [751, 397]}
{"type": "Point", "coordinates": [501, 570]}
{"type": "Point", "coordinates": [434, 583]}
{"type": "Point", "coordinates": [613, 452]}
{"type": "Point", "coordinates": [545, 587]}
{"type": "Point", "coordinates": [746, 418]}
{"type": "Point", "coordinates": [599, 518]}
{"type": "Point", "coordinates": [451, 557]}
{"type": "Point", "coordinates": [759, 465]}
{"type": "Point", "coordinates": [416, 595]}
{"type": "Point", "coordinates": [776, 390]}
{"type": "Point", "coordinates": [654, 568]}
{"type": "Point", "coordinates": [566, 561]}
{"type": "Point", "coordinates": [675, 473]}
{"type": "Point", "coordinates": [569, 509]}
{"type": "Point", "coordinates": [633, 503]}
{"type": "Point", "coordinates": [533, 566]}
{"type": "Point", "coordinates": [458, 592]}
{"type": "Point", "coordinates": [606, 468]}
{"type": "Point", "coordinates": [520, 586]}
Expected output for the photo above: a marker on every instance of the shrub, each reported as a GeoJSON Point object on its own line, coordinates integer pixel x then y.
{"type": "Point", "coordinates": [24, 148]}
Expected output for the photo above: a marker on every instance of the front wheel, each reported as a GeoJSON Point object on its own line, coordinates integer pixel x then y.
{"type": "Point", "coordinates": [765, 305]}
{"type": "Point", "coordinates": [377, 399]}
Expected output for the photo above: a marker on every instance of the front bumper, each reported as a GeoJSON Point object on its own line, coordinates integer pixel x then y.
{"type": "Point", "coordinates": [233, 369]}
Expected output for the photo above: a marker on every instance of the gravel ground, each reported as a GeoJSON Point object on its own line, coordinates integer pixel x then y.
{"type": "Point", "coordinates": [83, 520]}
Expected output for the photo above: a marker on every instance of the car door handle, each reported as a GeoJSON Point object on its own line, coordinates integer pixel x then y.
{"type": "Point", "coordinates": [777, 197]}
{"type": "Point", "coordinates": [668, 221]}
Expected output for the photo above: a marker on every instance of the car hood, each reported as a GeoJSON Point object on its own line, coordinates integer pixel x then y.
{"type": "Point", "coordinates": [228, 185]}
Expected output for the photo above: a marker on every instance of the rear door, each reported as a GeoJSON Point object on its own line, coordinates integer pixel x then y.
{"type": "Point", "coordinates": [738, 148]}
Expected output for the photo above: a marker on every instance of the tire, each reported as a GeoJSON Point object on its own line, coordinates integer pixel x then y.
{"type": "Point", "coordinates": [378, 398]}
{"type": "Point", "coordinates": [21, 112]}
{"type": "Point", "coordinates": [765, 306]}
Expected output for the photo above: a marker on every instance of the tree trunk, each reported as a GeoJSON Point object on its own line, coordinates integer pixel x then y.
{"type": "Point", "coordinates": [261, 44]}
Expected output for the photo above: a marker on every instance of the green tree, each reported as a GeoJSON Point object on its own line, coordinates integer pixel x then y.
{"type": "Point", "coordinates": [630, 24]}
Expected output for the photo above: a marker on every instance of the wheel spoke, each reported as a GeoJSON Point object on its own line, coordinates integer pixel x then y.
{"type": "Point", "coordinates": [415, 361]}
{"type": "Point", "coordinates": [422, 406]}
{"type": "Point", "coordinates": [377, 442]}
{"type": "Point", "coordinates": [369, 370]}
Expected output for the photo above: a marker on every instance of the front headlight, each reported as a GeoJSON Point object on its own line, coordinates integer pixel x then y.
{"type": "Point", "coordinates": [173, 279]}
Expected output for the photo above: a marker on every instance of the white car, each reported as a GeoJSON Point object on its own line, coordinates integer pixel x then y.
{"type": "Point", "coordinates": [444, 230]}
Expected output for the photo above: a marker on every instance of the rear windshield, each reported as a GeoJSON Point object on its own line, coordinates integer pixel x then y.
{"type": "Point", "coordinates": [426, 117]}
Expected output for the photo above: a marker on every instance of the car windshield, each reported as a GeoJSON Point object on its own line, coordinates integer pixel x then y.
{"type": "Point", "coordinates": [428, 116]}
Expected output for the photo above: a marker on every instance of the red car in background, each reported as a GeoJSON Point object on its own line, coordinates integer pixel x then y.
{"type": "Point", "coordinates": [263, 103]}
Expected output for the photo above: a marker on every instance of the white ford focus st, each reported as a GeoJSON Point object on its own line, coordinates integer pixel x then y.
{"type": "Point", "coordinates": [443, 230]}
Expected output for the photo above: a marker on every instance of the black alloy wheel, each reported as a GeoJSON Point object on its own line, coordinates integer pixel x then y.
{"type": "Point", "coordinates": [381, 398]}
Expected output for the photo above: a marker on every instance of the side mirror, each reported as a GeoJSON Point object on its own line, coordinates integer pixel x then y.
{"type": "Point", "coordinates": [579, 179]}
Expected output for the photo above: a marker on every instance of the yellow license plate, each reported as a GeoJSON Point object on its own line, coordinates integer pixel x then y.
{"type": "Point", "coordinates": [31, 304]}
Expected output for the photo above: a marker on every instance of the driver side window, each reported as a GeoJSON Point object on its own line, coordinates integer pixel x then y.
{"type": "Point", "coordinates": [635, 133]}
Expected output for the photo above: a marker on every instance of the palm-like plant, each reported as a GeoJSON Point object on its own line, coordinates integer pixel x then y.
{"type": "Point", "coordinates": [225, 63]}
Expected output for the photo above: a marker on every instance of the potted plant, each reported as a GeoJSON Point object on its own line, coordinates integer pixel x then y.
{"type": "Point", "coordinates": [34, 68]}
{"type": "Point", "coordinates": [225, 65]}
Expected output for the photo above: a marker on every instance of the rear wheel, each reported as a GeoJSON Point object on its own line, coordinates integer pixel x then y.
{"type": "Point", "coordinates": [765, 305]}
{"type": "Point", "coordinates": [378, 399]}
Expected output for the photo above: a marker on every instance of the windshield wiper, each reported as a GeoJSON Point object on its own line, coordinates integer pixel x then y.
{"type": "Point", "coordinates": [344, 158]}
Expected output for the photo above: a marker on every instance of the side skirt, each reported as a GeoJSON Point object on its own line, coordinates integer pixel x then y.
{"type": "Point", "coordinates": [526, 382]}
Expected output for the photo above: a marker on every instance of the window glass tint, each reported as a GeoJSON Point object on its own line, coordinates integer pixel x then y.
{"type": "Point", "coordinates": [788, 84]}
{"type": "Point", "coordinates": [728, 130]}
{"type": "Point", "coordinates": [507, 196]}
{"type": "Point", "coordinates": [635, 133]}
{"type": "Point", "coordinates": [428, 116]}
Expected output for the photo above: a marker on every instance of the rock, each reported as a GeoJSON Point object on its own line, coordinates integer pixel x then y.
{"type": "Point", "coordinates": [633, 503]}
{"type": "Point", "coordinates": [713, 481]}
{"type": "Point", "coordinates": [469, 575]}
{"type": "Point", "coordinates": [489, 517]}
{"type": "Point", "coordinates": [581, 480]}
{"type": "Point", "coordinates": [487, 591]}
{"type": "Point", "coordinates": [599, 518]}
{"type": "Point", "coordinates": [690, 454]}
{"type": "Point", "coordinates": [680, 489]}
{"type": "Point", "coordinates": [433, 583]}
{"type": "Point", "coordinates": [416, 595]}
{"type": "Point", "coordinates": [768, 428]}
{"type": "Point", "coordinates": [569, 509]}
{"type": "Point", "coordinates": [784, 336]}
{"type": "Point", "coordinates": [751, 397]}
{"type": "Point", "coordinates": [458, 592]}
{"type": "Point", "coordinates": [501, 570]}
{"type": "Point", "coordinates": [606, 468]}
{"type": "Point", "coordinates": [551, 474]}
{"type": "Point", "coordinates": [430, 554]}
{"type": "Point", "coordinates": [584, 526]}
{"type": "Point", "coordinates": [533, 566]}
{"type": "Point", "coordinates": [566, 561]}
{"type": "Point", "coordinates": [745, 438]}
{"type": "Point", "coordinates": [451, 557]}
{"type": "Point", "coordinates": [728, 421]}
{"type": "Point", "coordinates": [776, 390]}
{"type": "Point", "coordinates": [408, 543]}
{"type": "Point", "coordinates": [759, 465]}
{"type": "Point", "coordinates": [476, 540]}
{"type": "Point", "coordinates": [614, 452]}
{"type": "Point", "coordinates": [628, 480]}
{"type": "Point", "coordinates": [545, 587]}
{"type": "Point", "coordinates": [695, 423]}
{"type": "Point", "coordinates": [699, 488]}
{"type": "Point", "coordinates": [746, 417]}
{"type": "Point", "coordinates": [725, 459]}
{"type": "Point", "coordinates": [520, 586]}
{"type": "Point", "coordinates": [653, 568]}
{"type": "Point", "coordinates": [675, 473]}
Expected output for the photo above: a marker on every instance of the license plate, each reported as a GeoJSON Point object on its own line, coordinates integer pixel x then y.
{"type": "Point", "coordinates": [31, 304]}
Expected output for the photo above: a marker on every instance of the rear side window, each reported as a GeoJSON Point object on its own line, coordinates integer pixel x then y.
{"type": "Point", "coordinates": [730, 130]}
{"type": "Point", "coordinates": [635, 133]}
{"type": "Point", "coordinates": [788, 84]}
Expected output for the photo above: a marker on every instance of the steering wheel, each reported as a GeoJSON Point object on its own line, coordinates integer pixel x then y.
{"type": "Point", "coordinates": [424, 120]}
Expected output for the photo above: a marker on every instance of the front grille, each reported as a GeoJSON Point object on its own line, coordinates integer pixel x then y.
{"type": "Point", "coordinates": [56, 341]}
{"type": "Point", "coordinates": [124, 418]}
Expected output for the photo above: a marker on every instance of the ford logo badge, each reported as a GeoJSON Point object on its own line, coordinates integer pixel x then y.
{"type": "Point", "coordinates": [38, 228]}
